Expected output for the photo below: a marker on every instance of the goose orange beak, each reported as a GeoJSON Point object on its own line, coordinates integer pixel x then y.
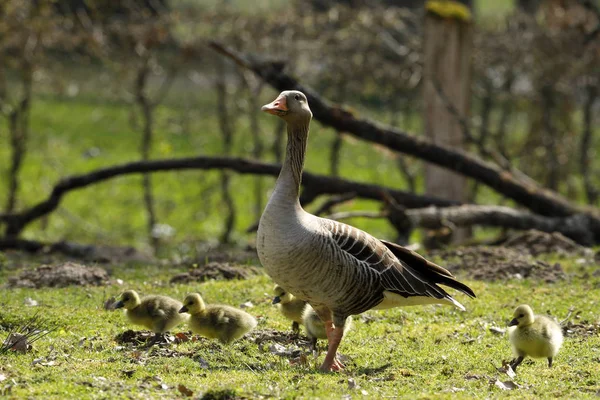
{"type": "Point", "coordinates": [276, 107]}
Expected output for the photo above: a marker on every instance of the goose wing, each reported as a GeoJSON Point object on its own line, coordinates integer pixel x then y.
{"type": "Point", "coordinates": [401, 271]}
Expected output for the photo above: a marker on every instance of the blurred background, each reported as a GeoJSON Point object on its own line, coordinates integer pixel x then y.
{"type": "Point", "coordinates": [90, 84]}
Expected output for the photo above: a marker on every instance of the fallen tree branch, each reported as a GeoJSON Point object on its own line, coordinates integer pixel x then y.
{"type": "Point", "coordinates": [575, 227]}
{"type": "Point", "coordinates": [314, 185]}
{"type": "Point", "coordinates": [528, 194]}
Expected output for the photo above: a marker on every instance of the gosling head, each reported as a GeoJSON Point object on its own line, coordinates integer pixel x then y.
{"type": "Point", "coordinates": [290, 105]}
{"type": "Point", "coordinates": [192, 304]}
{"type": "Point", "coordinates": [129, 300]}
{"type": "Point", "coordinates": [281, 296]}
{"type": "Point", "coordinates": [522, 316]}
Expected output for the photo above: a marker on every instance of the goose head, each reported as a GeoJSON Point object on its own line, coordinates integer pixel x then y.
{"type": "Point", "coordinates": [281, 296]}
{"type": "Point", "coordinates": [522, 316]}
{"type": "Point", "coordinates": [192, 304]}
{"type": "Point", "coordinates": [129, 300]}
{"type": "Point", "coordinates": [291, 106]}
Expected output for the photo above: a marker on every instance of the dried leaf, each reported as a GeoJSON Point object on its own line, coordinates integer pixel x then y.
{"type": "Point", "coordinates": [352, 384]}
{"type": "Point", "coordinates": [184, 390]}
{"type": "Point", "coordinates": [17, 342]}
{"type": "Point", "coordinates": [128, 373]}
{"type": "Point", "coordinates": [497, 331]}
{"type": "Point", "coordinates": [507, 369]}
{"type": "Point", "coordinates": [203, 363]}
{"type": "Point", "coordinates": [109, 304]}
{"type": "Point", "coordinates": [302, 359]}
{"type": "Point", "coordinates": [247, 304]}
{"type": "Point", "coordinates": [506, 385]}
{"type": "Point", "coordinates": [182, 337]}
{"type": "Point", "coordinates": [29, 302]}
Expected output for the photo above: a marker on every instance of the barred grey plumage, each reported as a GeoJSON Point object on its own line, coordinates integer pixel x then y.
{"type": "Point", "coordinates": [338, 269]}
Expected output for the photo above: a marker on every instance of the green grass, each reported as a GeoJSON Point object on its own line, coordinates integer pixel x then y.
{"type": "Point", "coordinates": [418, 352]}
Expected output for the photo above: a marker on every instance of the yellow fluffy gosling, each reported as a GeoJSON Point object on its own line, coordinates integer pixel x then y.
{"type": "Point", "coordinates": [216, 321]}
{"type": "Point", "coordinates": [157, 313]}
{"type": "Point", "coordinates": [532, 335]}
{"type": "Point", "coordinates": [315, 329]}
{"type": "Point", "coordinates": [290, 306]}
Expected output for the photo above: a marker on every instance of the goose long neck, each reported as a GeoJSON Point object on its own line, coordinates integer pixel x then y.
{"type": "Point", "coordinates": [290, 177]}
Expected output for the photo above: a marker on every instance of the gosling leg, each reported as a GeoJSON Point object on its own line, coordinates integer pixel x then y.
{"type": "Point", "coordinates": [549, 362]}
{"type": "Point", "coordinates": [516, 362]}
{"type": "Point", "coordinates": [156, 338]}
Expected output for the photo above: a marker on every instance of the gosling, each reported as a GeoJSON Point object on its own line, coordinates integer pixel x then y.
{"type": "Point", "coordinates": [157, 313]}
{"type": "Point", "coordinates": [290, 306]}
{"type": "Point", "coordinates": [315, 329]}
{"type": "Point", "coordinates": [216, 321]}
{"type": "Point", "coordinates": [531, 335]}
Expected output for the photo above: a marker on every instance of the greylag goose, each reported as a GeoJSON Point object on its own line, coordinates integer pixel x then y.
{"type": "Point", "coordinates": [157, 313]}
{"type": "Point", "coordinates": [532, 335]}
{"type": "Point", "coordinates": [216, 321]}
{"type": "Point", "coordinates": [338, 269]}
{"type": "Point", "coordinates": [290, 307]}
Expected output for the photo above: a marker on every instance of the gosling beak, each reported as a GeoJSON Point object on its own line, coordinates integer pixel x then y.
{"type": "Point", "coordinates": [513, 322]}
{"type": "Point", "coordinates": [276, 300]}
{"type": "Point", "coordinates": [277, 107]}
{"type": "Point", "coordinates": [183, 309]}
{"type": "Point", "coordinates": [119, 304]}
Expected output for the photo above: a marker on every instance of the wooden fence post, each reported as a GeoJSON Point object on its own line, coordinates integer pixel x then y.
{"type": "Point", "coordinates": [447, 69]}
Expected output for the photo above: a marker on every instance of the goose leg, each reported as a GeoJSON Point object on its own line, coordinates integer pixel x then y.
{"type": "Point", "coordinates": [549, 362]}
{"type": "Point", "coordinates": [334, 337]}
{"type": "Point", "coordinates": [295, 327]}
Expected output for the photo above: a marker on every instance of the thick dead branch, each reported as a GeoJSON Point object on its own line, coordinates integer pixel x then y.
{"type": "Point", "coordinates": [575, 227]}
{"type": "Point", "coordinates": [314, 185]}
{"type": "Point", "coordinates": [529, 194]}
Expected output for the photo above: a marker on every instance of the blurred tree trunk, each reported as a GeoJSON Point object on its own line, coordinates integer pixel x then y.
{"type": "Point", "coordinates": [587, 144]}
{"type": "Point", "coordinates": [447, 64]}
{"type": "Point", "coordinates": [147, 110]}
{"type": "Point", "coordinates": [253, 89]}
{"type": "Point", "coordinates": [18, 127]}
{"type": "Point", "coordinates": [226, 126]}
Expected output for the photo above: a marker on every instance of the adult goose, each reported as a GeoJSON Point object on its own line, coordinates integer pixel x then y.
{"type": "Point", "coordinates": [338, 269]}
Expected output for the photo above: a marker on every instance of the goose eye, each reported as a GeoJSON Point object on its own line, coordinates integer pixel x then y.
{"type": "Point", "coordinates": [297, 97]}
{"type": "Point", "coordinates": [521, 315]}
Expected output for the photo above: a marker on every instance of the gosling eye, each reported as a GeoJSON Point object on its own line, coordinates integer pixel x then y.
{"type": "Point", "coordinates": [297, 97]}
{"type": "Point", "coordinates": [521, 315]}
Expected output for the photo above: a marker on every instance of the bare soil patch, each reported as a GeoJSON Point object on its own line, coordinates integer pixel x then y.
{"type": "Point", "coordinates": [536, 243]}
{"type": "Point", "coordinates": [489, 263]}
{"type": "Point", "coordinates": [60, 275]}
{"type": "Point", "coordinates": [216, 271]}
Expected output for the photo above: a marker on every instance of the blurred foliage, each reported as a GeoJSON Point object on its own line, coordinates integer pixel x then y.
{"type": "Point", "coordinates": [531, 78]}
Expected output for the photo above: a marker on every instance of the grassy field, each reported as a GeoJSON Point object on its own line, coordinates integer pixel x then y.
{"type": "Point", "coordinates": [419, 352]}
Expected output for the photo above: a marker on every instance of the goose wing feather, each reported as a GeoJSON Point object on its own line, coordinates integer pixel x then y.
{"type": "Point", "coordinates": [400, 270]}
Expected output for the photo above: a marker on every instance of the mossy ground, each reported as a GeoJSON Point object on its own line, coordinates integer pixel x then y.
{"type": "Point", "coordinates": [418, 352]}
